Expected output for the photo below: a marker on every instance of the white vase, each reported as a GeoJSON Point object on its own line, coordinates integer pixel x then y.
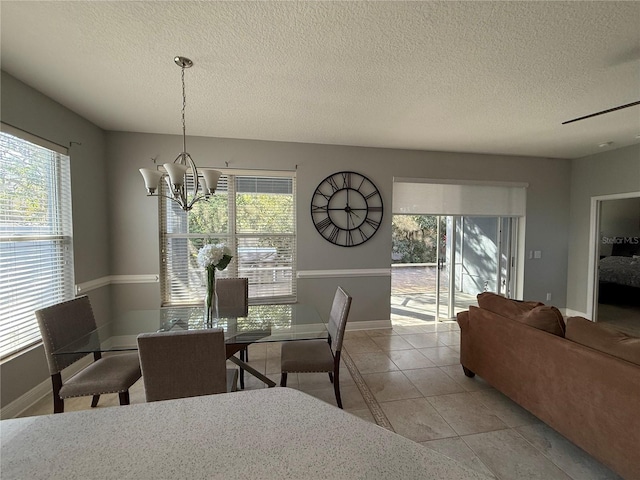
{"type": "Point", "coordinates": [211, 298]}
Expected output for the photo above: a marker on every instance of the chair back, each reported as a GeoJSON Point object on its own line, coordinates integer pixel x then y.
{"type": "Point", "coordinates": [65, 323]}
{"type": "Point", "coordinates": [338, 318]}
{"type": "Point", "coordinates": [233, 297]}
{"type": "Point", "coordinates": [183, 363]}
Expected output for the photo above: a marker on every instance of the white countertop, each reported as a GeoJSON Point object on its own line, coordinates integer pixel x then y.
{"type": "Point", "coordinates": [270, 433]}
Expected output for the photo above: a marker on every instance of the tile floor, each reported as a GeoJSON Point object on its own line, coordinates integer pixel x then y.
{"type": "Point", "coordinates": [414, 374]}
{"type": "Point", "coordinates": [623, 317]}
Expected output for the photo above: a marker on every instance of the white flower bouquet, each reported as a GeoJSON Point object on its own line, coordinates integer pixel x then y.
{"type": "Point", "coordinates": [214, 255]}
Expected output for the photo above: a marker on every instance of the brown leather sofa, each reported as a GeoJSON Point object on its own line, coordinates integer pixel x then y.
{"type": "Point", "coordinates": [586, 394]}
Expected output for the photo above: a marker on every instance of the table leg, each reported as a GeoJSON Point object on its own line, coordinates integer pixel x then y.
{"type": "Point", "coordinates": [252, 371]}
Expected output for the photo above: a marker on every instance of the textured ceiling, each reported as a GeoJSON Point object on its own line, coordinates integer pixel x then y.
{"type": "Point", "coordinates": [487, 77]}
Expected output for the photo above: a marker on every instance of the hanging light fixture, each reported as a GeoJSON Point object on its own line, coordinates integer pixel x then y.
{"type": "Point", "coordinates": [182, 176]}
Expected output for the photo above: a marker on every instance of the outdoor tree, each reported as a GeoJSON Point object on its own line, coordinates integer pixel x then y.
{"type": "Point", "coordinates": [414, 238]}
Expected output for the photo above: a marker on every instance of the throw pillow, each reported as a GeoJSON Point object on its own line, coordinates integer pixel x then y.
{"type": "Point", "coordinates": [544, 317]}
{"type": "Point", "coordinates": [506, 307]}
{"type": "Point", "coordinates": [604, 338]}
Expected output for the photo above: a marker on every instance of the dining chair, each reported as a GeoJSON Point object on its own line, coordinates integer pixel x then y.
{"type": "Point", "coordinates": [72, 321]}
{"type": "Point", "coordinates": [233, 301]}
{"type": "Point", "coordinates": [307, 356]}
{"type": "Point", "coordinates": [233, 297]}
{"type": "Point", "coordinates": [184, 363]}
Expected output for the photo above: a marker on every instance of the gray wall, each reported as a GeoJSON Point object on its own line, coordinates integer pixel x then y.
{"type": "Point", "coordinates": [134, 222]}
{"type": "Point", "coordinates": [607, 173]}
{"type": "Point", "coordinates": [31, 111]}
{"type": "Point", "coordinates": [116, 225]}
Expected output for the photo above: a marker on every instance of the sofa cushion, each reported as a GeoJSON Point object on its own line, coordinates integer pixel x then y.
{"type": "Point", "coordinates": [544, 317]}
{"type": "Point", "coordinates": [604, 338]}
{"type": "Point", "coordinates": [506, 307]}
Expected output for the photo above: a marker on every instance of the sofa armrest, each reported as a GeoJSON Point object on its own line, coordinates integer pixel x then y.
{"type": "Point", "coordinates": [465, 342]}
{"type": "Point", "coordinates": [463, 319]}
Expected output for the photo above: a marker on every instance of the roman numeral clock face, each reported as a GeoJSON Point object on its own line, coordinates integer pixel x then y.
{"type": "Point", "coordinates": [346, 209]}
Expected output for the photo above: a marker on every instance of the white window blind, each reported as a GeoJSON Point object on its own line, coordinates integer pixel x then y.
{"type": "Point", "coordinates": [36, 250]}
{"type": "Point", "coordinates": [254, 215]}
{"type": "Point", "coordinates": [442, 197]}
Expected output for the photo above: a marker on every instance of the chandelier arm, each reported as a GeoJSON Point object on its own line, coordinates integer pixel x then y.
{"type": "Point", "coordinates": [162, 195]}
{"type": "Point", "coordinates": [195, 200]}
{"type": "Point", "coordinates": [196, 187]}
{"type": "Point", "coordinates": [185, 206]}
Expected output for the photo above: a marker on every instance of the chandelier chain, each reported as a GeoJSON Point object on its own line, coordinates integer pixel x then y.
{"type": "Point", "coordinates": [184, 106]}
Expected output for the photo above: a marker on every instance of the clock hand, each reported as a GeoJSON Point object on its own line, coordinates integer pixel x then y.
{"type": "Point", "coordinates": [345, 209]}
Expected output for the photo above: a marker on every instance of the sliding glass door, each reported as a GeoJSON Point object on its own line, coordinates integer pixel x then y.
{"type": "Point", "coordinates": [446, 260]}
{"type": "Point", "coordinates": [457, 239]}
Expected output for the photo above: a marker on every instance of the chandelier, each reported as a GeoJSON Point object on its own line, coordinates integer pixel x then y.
{"type": "Point", "coordinates": [187, 184]}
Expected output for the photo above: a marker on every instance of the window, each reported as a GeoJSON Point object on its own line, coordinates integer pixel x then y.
{"type": "Point", "coordinates": [36, 253]}
{"type": "Point", "coordinates": [254, 215]}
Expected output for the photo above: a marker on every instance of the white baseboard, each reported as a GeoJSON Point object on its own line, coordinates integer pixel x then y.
{"type": "Point", "coordinates": [40, 391]}
{"type": "Point", "coordinates": [368, 325]}
{"type": "Point", "coordinates": [84, 287]}
{"type": "Point", "coordinates": [150, 278]}
{"type": "Point", "coordinates": [360, 272]}
{"type": "Point", "coordinates": [567, 312]}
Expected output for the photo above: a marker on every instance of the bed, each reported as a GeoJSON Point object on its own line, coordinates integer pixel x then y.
{"type": "Point", "coordinates": [619, 274]}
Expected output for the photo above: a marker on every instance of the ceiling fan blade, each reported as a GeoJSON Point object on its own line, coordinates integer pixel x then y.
{"type": "Point", "coordinates": [602, 112]}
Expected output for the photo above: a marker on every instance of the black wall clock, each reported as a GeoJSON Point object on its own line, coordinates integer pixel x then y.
{"type": "Point", "coordinates": [346, 209]}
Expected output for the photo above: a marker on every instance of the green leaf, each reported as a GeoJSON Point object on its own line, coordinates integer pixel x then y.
{"type": "Point", "coordinates": [224, 262]}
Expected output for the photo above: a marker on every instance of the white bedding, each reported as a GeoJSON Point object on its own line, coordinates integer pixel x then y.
{"type": "Point", "coordinates": [621, 270]}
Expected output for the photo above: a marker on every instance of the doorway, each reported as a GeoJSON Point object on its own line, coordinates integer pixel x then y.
{"type": "Point", "coordinates": [615, 261]}
{"type": "Point", "coordinates": [441, 262]}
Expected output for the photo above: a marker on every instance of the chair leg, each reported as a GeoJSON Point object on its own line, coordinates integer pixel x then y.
{"type": "Point", "coordinates": [124, 398]}
{"type": "Point", "coordinates": [336, 387]}
{"type": "Point", "coordinates": [331, 377]}
{"type": "Point", "coordinates": [58, 405]}
{"type": "Point", "coordinates": [283, 379]}
{"type": "Point", "coordinates": [56, 383]}
{"type": "Point", "coordinates": [336, 380]}
{"type": "Point", "coordinates": [94, 401]}
{"type": "Point", "coordinates": [244, 357]}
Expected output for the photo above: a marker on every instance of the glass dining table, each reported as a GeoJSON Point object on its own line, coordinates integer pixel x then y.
{"type": "Point", "coordinates": [264, 323]}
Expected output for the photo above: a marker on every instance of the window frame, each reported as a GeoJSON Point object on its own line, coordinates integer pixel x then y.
{"type": "Point", "coordinates": [39, 253]}
{"type": "Point", "coordinates": [232, 238]}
